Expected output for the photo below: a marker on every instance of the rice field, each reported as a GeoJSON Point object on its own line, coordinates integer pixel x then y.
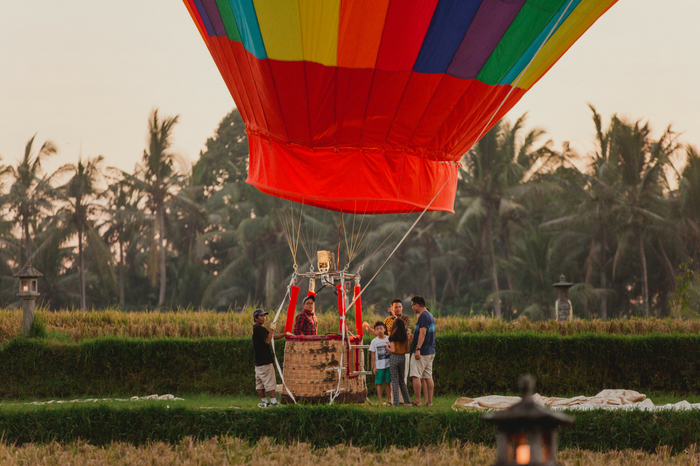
{"type": "Point", "coordinates": [77, 325]}
{"type": "Point", "coordinates": [233, 451]}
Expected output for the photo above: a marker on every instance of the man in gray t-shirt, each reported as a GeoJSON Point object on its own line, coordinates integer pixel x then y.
{"type": "Point", "coordinates": [423, 353]}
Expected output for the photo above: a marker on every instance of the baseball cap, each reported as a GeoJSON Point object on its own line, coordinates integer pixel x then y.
{"type": "Point", "coordinates": [311, 297]}
{"type": "Point", "coordinates": [259, 312]}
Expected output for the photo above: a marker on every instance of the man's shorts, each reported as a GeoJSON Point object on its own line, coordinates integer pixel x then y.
{"type": "Point", "coordinates": [383, 376]}
{"type": "Point", "coordinates": [423, 367]}
{"type": "Point", "coordinates": [265, 378]}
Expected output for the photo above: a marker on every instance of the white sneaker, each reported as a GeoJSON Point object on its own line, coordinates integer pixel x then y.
{"type": "Point", "coordinates": [264, 404]}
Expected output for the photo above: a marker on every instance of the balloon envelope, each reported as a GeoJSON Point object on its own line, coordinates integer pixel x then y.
{"type": "Point", "coordinates": [368, 105]}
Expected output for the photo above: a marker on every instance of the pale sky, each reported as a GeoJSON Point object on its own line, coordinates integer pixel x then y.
{"type": "Point", "coordinates": [87, 73]}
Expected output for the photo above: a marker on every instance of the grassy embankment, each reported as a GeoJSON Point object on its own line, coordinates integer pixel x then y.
{"type": "Point", "coordinates": [327, 426]}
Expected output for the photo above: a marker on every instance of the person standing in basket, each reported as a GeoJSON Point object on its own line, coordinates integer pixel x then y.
{"type": "Point", "coordinates": [423, 353]}
{"type": "Point", "coordinates": [306, 322]}
{"type": "Point", "coordinates": [398, 348]}
{"type": "Point", "coordinates": [265, 379]}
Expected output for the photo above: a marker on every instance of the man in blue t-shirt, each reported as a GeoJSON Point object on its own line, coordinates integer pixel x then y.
{"type": "Point", "coordinates": [423, 353]}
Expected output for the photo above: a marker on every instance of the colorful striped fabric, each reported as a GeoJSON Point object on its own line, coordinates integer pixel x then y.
{"type": "Point", "coordinates": [392, 92]}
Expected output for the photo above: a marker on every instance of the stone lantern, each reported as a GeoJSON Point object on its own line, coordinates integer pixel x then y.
{"type": "Point", "coordinates": [527, 431]}
{"type": "Point", "coordinates": [563, 309]}
{"type": "Point", "coordinates": [28, 291]}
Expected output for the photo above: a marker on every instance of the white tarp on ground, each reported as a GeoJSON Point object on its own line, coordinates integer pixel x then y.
{"type": "Point", "coordinates": [97, 400]}
{"type": "Point", "coordinates": [607, 399]}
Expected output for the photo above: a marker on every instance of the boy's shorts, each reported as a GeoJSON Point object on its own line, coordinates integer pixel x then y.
{"type": "Point", "coordinates": [383, 376]}
{"type": "Point", "coordinates": [265, 378]}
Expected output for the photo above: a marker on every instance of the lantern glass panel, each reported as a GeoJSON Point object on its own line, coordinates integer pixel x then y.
{"type": "Point", "coordinates": [522, 454]}
{"type": "Point", "coordinates": [25, 286]}
{"type": "Point", "coordinates": [518, 448]}
{"type": "Point", "coordinates": [547, 445]}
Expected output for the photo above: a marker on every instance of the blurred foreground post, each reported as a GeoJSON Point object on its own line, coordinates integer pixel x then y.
{"type": "Point", "coordinates": [527, 431]}
{"type": "Point", "coordinates": [28, 291]}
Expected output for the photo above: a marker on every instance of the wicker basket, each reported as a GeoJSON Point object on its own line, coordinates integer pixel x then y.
{"type": "Point", "coordinates": [306, 359]}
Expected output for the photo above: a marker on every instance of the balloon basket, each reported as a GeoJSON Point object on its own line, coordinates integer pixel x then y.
{"type": "Point", "coordinates": [311, 369]}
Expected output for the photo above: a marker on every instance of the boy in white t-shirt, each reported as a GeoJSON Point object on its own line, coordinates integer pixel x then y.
{"type": "Point", "coordinates": [380, 361]}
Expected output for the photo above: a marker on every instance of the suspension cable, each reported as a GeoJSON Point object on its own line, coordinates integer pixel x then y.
{"type": "Point", "coordinates": [291, 228]}
{"type": "Point", "coordinates": [352, 303]}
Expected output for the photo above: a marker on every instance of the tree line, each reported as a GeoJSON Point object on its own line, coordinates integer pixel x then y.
{"type": "Point", "coordinates": [622, 223]}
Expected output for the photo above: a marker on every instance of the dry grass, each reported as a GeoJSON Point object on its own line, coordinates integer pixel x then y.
{"type": "Point", "coordinates": [238, 452]}
{"type": "Point", "coordinates": [198, 324]}
{"type": "Point", "coordinates": [190, 324]}
{"type": "Point", "coordinates": [634, 326]}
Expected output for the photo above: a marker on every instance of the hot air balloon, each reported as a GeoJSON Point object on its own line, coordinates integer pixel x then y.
{"type": "Point", "coordinates": [367, 106]}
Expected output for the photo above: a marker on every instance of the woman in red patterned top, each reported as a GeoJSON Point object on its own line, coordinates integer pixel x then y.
{"type": "Point", "coordinates": [306, 322]}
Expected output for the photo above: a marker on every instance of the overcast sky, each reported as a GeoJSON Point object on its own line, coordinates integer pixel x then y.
{"type": "Point", "coordinates": [87, 73]}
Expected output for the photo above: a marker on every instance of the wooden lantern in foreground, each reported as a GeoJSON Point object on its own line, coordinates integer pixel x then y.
{"type": "Point", "coordinates": [527, 432]}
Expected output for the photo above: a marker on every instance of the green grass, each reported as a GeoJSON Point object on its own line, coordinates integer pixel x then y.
{"type": "Point", "coordinates": [441, 404]}
{"type": "Point", "coordinates": [662, 399]}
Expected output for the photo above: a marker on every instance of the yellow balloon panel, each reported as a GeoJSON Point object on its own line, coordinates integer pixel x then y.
{"type": "Point", "coordinates": [578, 22]}
{"type": "Point", "coordinates": [319, 29]}
{"type": "Point", "coordinates": [280, 28]}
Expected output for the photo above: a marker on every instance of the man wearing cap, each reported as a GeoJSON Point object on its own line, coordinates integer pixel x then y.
{"type": "Point", "coordinates": [265, 379]}
{"type": "Point", "coordinates": [306, 322]}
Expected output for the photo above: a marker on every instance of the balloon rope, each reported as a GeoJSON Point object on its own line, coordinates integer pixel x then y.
{"type": "Point", "coordinates": [360, 237]}
{"type": "Point", "coordinates": [378, 245]}
{"type": "Point", "coordinates": [292, 232]}
{"type": "Point", "coordinates": [298, 237]}
{"type": "Point", "coordinates": [522, 73]}
{"type": "Point", "coordinates": [342, 290]}
{"type": "Point", "coordinates": [397, 246]}
{"type": "Point", "coordinates": [350, 245]}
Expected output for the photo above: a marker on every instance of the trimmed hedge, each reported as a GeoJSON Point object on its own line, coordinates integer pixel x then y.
{"type": "Point", "coordinates": [480, 364]}
{"type": "Point", "coordinates": [120, 366]}
{"type": "Point", "coordinates": [466, 364]}
{"type": "Point", "coordinates": [330, 425]}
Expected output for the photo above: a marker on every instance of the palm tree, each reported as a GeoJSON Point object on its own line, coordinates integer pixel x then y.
{"type": "Point", "coordinates": [620, 204]}
{"type": "Point", "coordinates": [495, 168]}
{"type": "Point", "coordinates": [588, 224]}
{"type": "Point", "coordinates": [30, 195]}
{"type": "Point", "coordinates": [80, 193]}
{"type": "Point", "coordinates": [641, 163]}
{"type": "Point", "coordinates": [689, 208]}
{"type": "Point", "coordinates": [123, 222]}
{"type": "Point", "coordinates": [157, 178]}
